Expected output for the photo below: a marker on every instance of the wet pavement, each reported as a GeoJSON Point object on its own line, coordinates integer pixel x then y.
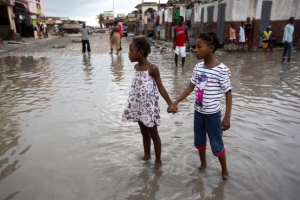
{"type": "Point", "coordinates": [61, 134]}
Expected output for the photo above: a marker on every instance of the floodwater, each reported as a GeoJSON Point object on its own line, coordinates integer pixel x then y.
{"type": "Point", "coordinates": [61, 135]}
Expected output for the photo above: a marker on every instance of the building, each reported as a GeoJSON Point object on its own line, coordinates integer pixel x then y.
{"type": "Point", "coordinates": [19, 16]}
{"type": "Point", "coordinates": [108, 18]}
{"type": "Point", "coordinates": [218, 15]}
{"type": "Point", "coordinates": [147, 16]}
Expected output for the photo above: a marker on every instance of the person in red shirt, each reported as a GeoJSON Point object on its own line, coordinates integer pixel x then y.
{"type": "Point", "coordinates": [120, 25]}
{"type": "Point", "coordinates": [180, 36]}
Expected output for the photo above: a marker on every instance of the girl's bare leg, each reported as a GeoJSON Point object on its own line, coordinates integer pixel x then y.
{"type": "Point", "coordinates": [202, 155]}
{"type": "Point", "coordinates": [157, 145]}
{"type": "Point", "coordinates": [146, 141]}
{"type": "Point", "coordinates": [225, 173]}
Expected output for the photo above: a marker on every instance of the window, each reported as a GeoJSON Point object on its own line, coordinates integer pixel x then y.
{"type": "Point", "coordinates": [210, 14]}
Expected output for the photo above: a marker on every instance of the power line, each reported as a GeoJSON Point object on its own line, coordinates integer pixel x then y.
{"type": "Point", "coordinates": [74, 7]}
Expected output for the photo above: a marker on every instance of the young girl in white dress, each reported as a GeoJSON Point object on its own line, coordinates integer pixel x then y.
{"type": "Point", "coordinates": [143, 102]}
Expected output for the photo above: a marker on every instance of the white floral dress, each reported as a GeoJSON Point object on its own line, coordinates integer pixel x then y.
{"type": "Point", "coordinates": [142, 104]}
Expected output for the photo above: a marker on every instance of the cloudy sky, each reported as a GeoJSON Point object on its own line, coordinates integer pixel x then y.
{"type": "Point", "coordinates": [87, 10]}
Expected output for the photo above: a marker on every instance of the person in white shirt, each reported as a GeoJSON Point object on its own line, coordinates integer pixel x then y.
{"type": "Point", "coordinates": [288, 40]}
{"type": "Point", "coordinates": [85, 38]}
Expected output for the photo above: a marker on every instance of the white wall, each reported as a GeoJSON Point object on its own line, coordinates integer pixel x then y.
{"type": "Point", "coordinates": [239, 10]}
{"type": "Point", "coordinates": [284, 9]}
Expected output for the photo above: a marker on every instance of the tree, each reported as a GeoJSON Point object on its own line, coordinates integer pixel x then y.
{"type": "Point", "coordinates": [100, 18]}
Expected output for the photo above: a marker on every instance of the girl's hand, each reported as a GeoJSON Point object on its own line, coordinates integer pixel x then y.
{"type": "Point", "coordinates": [225, 123]}
{"type": "Point", "coordinates": [172, 108]}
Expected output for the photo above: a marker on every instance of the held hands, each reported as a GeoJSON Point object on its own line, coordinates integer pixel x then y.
{"type": "Point", "coordinates": [172, 108]}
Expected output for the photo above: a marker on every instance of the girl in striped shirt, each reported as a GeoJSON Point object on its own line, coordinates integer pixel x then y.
{"type": "Point", "coordinates": [210, 81]}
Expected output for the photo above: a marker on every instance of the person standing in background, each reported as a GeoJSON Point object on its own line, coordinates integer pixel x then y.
{"type": "Point", "coordinates": [242, 37]}
{"type": "Point", "coordinates": [248, 32]}
{"type": "Point", "coordinates": [114, 39]}
{"type": "Point", "coordinates": [85, 38]}
{"type": "Point", "coordinates": [232, 37]}
{"type": "Point", "coordinates": [38, 29]}
{"type": "Point", "coordinates": [288, 40]}
{"type": "Point", "coordinates": [120, 25]}
{"type": "Point", "coordinates": [180, 36]}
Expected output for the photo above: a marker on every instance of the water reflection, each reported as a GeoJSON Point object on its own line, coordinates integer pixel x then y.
{"type": "Point", "coordinates": [148, 179]}
{"type": "Point", "coordinates": [23, 88]}
{"type": "Point", "coordinates": [197, 187]}
{"type": "Point", "coordinates": [116, 68]}
{"type": "Point", "coordinates": [50, 130]}
{"type": "Point", "coordinates": [86, 61]}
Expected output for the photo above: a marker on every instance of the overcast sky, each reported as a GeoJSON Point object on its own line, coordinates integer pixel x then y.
{"type": "Point", "coordinates": [87, 10]}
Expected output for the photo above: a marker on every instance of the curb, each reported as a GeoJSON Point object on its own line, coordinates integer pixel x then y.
{"type": "Point", "coordinates": [9, 49]}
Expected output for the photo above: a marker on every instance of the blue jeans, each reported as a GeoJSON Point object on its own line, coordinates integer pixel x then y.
{"type": "Point", "coordinates": [288, 49]}
{"type": "Point", "coordinates": [209, 124]}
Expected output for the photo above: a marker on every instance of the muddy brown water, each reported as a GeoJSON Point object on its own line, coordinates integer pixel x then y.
{"type": "Point", "coordinates": [61, 135]}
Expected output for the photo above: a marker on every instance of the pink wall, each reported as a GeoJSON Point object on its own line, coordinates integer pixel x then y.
{"type": "Point", "coordinates": [31, 5]}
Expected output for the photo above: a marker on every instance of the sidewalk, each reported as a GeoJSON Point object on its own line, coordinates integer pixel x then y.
{"type": "Point", "coordinates": [7, 48]}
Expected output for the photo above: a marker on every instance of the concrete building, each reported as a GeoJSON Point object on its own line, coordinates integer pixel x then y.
{"type": "Point", "coordinates": [147, 13]}
{"type": "Point", "coordinates": [18, 16]}
{"type": "Point", "coordinates": [218, 15]}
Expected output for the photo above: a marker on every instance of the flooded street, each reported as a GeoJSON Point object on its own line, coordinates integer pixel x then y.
{"type": "Point", "coordinates": [61, 134]}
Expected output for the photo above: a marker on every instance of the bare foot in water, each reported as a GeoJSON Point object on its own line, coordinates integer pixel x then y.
{"type": "Point", "coordinates": [146, 157]}
{"type": "Point", "coordinates": [157, 164]}
{"type": "Point", "coordinates": [225, 175]}
{"type": "Point", "coordinates": [203, 166]}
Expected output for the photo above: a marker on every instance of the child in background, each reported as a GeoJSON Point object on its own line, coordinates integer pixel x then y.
{"type": "Point", "coordinates": [242, 37]}
{"type": "Point", "coordinates": [232, 37]}
{"type": "Point", "coordinates": [248, 32]}
{"type": "Point", "coordinates": [143, 102]}
{"type": "Point", "coordinates": [212, 81]}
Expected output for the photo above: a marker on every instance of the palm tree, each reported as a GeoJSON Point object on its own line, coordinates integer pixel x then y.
{"type": "Point", "coordinates": [100, 18]}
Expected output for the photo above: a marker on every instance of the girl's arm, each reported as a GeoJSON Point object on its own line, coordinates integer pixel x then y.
{"type": "Point", "coordinates": [154, 72]}
{"type": "Point", "coordinates": [185, 93]}
{"type": "Point", "coordinates": [226, 120]}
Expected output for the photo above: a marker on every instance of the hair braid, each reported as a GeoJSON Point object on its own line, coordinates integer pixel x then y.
{"type": "Point", "coordinates": [142, 43]}
{"type": "Point", "coordinates": [210, 38]}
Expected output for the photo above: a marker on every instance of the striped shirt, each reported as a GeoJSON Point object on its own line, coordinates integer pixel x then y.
{"type": "Point", "coordinates": [211, 84]}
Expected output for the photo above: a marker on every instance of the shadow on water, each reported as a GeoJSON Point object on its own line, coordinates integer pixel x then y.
{"type": "Point", "coordinates": [61, 129]}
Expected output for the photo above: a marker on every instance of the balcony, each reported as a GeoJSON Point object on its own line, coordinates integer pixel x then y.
{"type": "Point", "coordinates": [39, 11]}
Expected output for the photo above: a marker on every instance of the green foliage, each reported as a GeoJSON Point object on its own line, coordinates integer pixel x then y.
{"type": "Point", "coordinates": [100, 18]}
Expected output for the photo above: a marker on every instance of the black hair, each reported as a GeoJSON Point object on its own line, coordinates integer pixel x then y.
{"type": "Point", "coordinates": [142, 43]}
{"type": "Point", "coordinates": [210, 38]}
{"type": "Point", "coordinates": [181, 18]}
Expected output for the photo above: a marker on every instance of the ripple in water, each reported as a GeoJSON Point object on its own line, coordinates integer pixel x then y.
{"type": "Point", "coordinates": [61, 129]}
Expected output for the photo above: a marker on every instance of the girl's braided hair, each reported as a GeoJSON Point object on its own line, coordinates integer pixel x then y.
{"type": "Point", "coordinates": [142, 43]}
{"type": "Point", "coordinates": [210, 38]}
